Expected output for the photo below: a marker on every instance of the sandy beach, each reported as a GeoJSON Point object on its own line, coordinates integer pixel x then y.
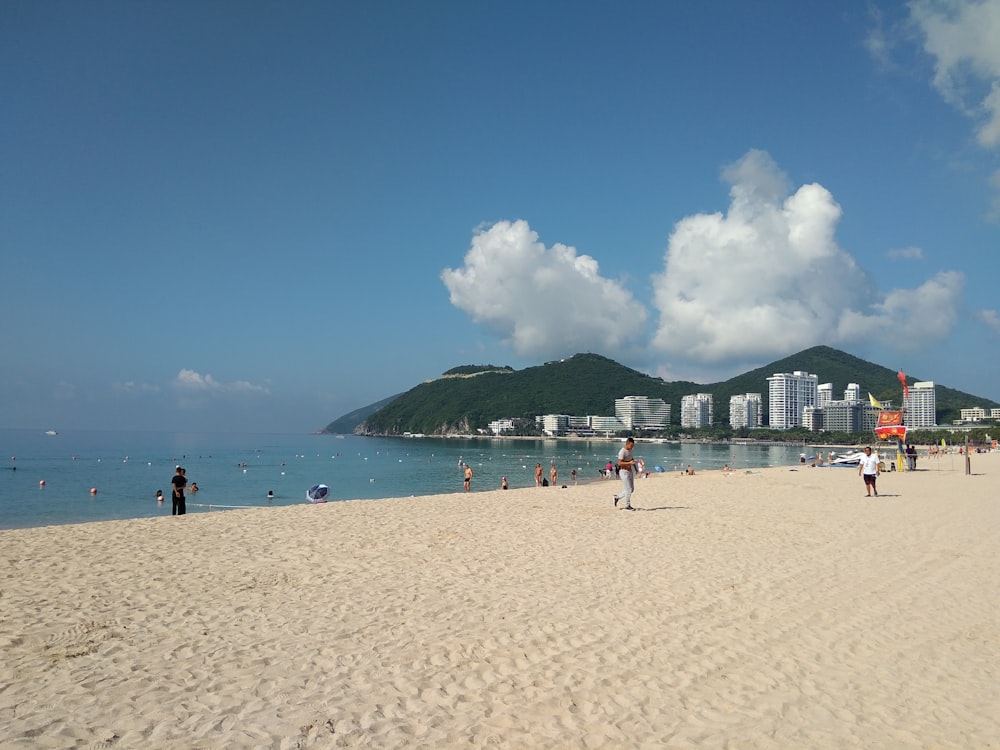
{"type": "Point", "coordinates": [769, 609]}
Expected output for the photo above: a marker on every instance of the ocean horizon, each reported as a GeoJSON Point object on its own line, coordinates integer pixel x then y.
{"type": "Point", "coordinates": [48, 479]}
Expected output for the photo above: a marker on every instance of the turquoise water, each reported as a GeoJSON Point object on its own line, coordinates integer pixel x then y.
{"type": "Point", "coordinates": [126, 469]}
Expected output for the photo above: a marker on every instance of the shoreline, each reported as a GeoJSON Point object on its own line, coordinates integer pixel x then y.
{"type": "Point", "coordinates": [774, 607]}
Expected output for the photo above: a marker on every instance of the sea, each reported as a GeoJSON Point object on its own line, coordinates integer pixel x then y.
{"type": "Point", "coordinates": [92, 475]}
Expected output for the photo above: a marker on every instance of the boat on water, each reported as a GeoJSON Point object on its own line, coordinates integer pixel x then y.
{"type": "Point", "coordinates": [51, 432]}
{"type": "Point", "coordinates": [848, 459]}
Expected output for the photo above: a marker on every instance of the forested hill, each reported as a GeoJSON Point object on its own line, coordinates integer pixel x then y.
{"type": "Point", "coordinates": [468, 398]}
{"type": "Point", "coordinates": [582, 384]}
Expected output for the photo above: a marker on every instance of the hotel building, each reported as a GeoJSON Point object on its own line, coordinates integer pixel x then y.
{"type": "Point", "coordinates": [788, 394]}
{"type": "Point", "coordinates": [920, 406]}
{"type": "Point", "coordinates": [696, 410]}
{"type": "Point", "coordinates": [975, 414]}
{"type": "Point", "coordinates": [745, 410]}
{"type": "Point", "coordinates": [853, 392]}
{"type": "Point", "coordinates": [642, 412]}
{"type": "Point", "coordinates": [824, 394]}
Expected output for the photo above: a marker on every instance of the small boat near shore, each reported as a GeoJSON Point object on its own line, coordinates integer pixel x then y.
{"type": "Point", "coordinates": [848, 459]}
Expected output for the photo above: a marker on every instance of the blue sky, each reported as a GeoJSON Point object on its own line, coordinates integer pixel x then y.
{"type": "Point", "coordinates": [262, 215]}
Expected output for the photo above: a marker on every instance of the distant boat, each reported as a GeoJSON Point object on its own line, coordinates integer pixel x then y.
{"type": "Point", "coordinates": [51, 432]}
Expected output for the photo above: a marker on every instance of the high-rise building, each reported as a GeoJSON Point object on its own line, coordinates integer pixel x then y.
{"type": "Point", "coordinates": [555, 424]}
{"type": "Point", "coordinates": [745, 411]}
{"type": "Point", "coordinates": [788, 394]}
{"type": "Point", "coordinates": [642, 412]}
{"type": "Point", "coordinates": [842, 416]}
{"type": "Point", "coordinates": [869, 415]}
{"type": "Point", "coordinates": [824, 394]}
{"type": "Point", "coordinates": [812, 417]}
{"type": "Point", "coordinates": [853, 392]}
{"type": "Point", "coordinates": [696, 410]}
{"type": "Point", "coordinates": [920, 406]}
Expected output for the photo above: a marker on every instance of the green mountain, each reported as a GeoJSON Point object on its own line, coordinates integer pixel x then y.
{"type": "Point", "coordinates": [346, 424]}
{"type": "Point", "coordinates": [468, 398]}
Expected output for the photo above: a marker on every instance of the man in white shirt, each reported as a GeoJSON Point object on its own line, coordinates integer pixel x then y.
{"type": "Point", "coordinates": [868, 468]}
{"type": "Point", "coordinates": [626, 469]}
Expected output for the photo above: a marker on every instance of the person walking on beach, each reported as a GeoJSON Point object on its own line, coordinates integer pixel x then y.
{"type": "Point", "coordinates": [553, 475]}
{"type": "Point", "coordinates": [179, 482]}
{"type": "Point", "coordinates": [868, 468]}
{"type": "Point", "coordinates": [538, 474]}
{"type": "Point", "coordinates": [626, 467]}
{"type": "Point", "coordinates": [468, 477]}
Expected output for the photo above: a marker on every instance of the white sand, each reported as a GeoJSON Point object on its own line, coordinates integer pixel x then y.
{"type": "Point", "coordinates": [779, 609]}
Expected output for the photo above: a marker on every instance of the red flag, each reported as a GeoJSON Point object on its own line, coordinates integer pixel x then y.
{"type": "Point", "coordinates": [886, 418]}
{"type": "Point", "coordinates": [901, 376]}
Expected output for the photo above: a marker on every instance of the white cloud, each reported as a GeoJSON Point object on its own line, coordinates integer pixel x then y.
{"type": "Point", "coordinates": [909, 318]}
{"type": "Point", "coordinates": [542, 301]}
{"type": "Point", "coordinates": [190, 381]}
{"type": "Point", "coordinates": [763, 280]}
{"type": "Point", "coordinates": [962, 37]}
{"type": "Point", "coordinates": [991, 319]}
{"type": "Point", "coordinates": [906, 253]}
{"type": "Point", "coordinates": [133, 387]}
{"type": "Point", "coordinates": [768, 278]}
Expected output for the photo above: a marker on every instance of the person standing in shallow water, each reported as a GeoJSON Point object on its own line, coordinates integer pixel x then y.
{"type": "Point", "coordinates": [179, 482]}
{"type": "Point", "coordinates": [468, 477]}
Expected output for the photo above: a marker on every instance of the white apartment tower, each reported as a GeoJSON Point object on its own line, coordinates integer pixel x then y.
{"type": "Point", "coordinates": [853, 393]}
{"type": "Point", "coordinates": [824, 394]}
{"type": "Point", "coordinates": [642, 412]}
{"type": "Point", "coordinates": [788, 394]}
{"type": "Point", "coordinates": [920, 407]}
{"type": "Point", "coordinates": [745, 411]}
{"type": "Point", "coordinates": [696, 410]}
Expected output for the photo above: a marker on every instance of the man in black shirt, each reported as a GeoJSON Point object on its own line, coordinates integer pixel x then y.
{"type": "Point", "coordinates": [179, 482]}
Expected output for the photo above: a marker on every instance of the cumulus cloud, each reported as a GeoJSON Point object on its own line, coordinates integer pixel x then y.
{"type": "Point", "coordinates": [906, 253]}
{"type": "Point", "coordinates": [768, 278]}
{"type": "Point", "coordinates": [961, 36]}
{"type": "Point", "coordinates": [913, 316]}
{"type": "Point", "coordinates": [762, 280]}
{"type": "Point", "coordinates": [542, 301]}
{"type": "Point", "coordinates": [192, 382]}
{"type": "Point", "coordinates": [991, 319]}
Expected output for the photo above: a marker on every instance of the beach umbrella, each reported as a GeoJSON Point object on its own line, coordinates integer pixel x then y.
{"type": "Point", "coordinates": [317, 493]}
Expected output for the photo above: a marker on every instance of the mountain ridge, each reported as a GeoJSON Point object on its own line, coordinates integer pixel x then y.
{"type": "Point", "coordinates": [588, 383]}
